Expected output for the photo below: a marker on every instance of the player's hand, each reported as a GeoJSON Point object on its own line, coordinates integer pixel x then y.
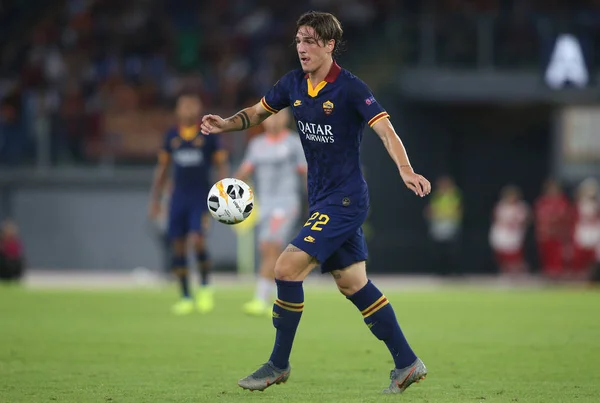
{"type": "Point", "coordinates": [212, 124]}
{"type": "Point", "coordinates": [154, 211]}
{"type": "Point", "coordinates": [415, 182]}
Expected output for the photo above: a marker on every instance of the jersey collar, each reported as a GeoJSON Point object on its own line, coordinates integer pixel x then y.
{"type": "Point", "coordinates": [332, 75]}
{"type": "Point", "coordinates": [188, 133]}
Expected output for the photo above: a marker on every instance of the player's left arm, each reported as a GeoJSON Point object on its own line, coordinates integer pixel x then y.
{"type": "Point", "coordinates": [246, 168]}
{"type": "Point", "coordinates": [395, 148]}
{"type": "Point", "coordinates": [361, 97]}
{"type": "Point", "coordinates": [161, 177]}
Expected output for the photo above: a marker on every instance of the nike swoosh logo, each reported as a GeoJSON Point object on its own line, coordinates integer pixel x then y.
{"type": "Point", "coordinates": [401, 385]}
{"type": "Point", "coordinates": [280, 377]}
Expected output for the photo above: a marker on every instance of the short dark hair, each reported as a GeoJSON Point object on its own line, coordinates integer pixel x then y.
{"type": "Point", "coordinates": [326, 26]}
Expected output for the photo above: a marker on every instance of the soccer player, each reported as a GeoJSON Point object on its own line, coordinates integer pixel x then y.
{"type": "Point", "coordinates": [331, 107]}
{"type": "Point", "coordinates": [552, 214]}
{"type": "Point", "coordinates": [276, 160]}
{"type": "Point", "coordinates": [444, 215]}
{"type": "Point", "coordinates": [586, 228]}
{"type": "Point", "coordinates": [507, 233]}
{"type": "Point", "coordinates": [192, 156]}
{"type": "Point", "coordinates": [12, 259]}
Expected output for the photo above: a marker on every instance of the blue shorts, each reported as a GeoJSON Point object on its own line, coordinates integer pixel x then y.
{"type": "Point", "coordinates": [186, 215]}
{"type": "Point", "coordinates": [333, 235]}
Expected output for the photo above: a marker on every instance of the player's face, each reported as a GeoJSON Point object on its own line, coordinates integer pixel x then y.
{"type": "Point", "coordinates": [552, 188]}
{"type": "Point", "coordinates": [188, 109]}
{"type": "Point", "coordinates": [588, 193]}
{"type": "Point", "coordinates": [313, 52]}
{"type": "Point", "coordinates": [8, 230]}
{"type": "Point", "coordinates": [512, 196]}
{"type": "Point", "coordinates": [444, 184]}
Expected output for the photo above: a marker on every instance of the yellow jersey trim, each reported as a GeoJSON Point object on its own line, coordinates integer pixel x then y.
{"type": "Point", "coordinates": [377, 118]}
{"type": "Point", "coordinates": [188, 133]}
{"type": "Point", "coordinates": [265, 105]}
{"type": "Point", "coordinates": [314, 91]}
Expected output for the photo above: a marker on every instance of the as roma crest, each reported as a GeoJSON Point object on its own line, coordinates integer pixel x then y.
{"type": "Point", "coordinates": [328, 107]}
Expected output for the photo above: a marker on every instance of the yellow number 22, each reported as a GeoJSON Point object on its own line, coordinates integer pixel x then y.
{"type": "Point", "coordinates": [322, 219]}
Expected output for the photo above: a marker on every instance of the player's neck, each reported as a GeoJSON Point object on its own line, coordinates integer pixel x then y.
{"type": "Point", "coordinates": [319, 75]}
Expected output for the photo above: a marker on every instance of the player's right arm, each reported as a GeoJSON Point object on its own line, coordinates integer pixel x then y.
{"type": "Point", "coordinates": [160, 179]}
{"type": "Point", "coordinates": [244, 172]}
{"type": "Point", "coordinates": [244, 119]}
{"type": "Point", "coordinates": [276, 99]}
{"type": "Point", "coordinates": [248, 165]}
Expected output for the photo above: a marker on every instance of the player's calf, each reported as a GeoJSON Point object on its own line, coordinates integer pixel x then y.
{"type": "Point", "coordinates": [379, 316]}
{"type": "Point", "coordinates": [292, 266]}
{"type": "Point", "coordinates": [287, 312]}
{"type": "Point", "coordinates": [180, 270]}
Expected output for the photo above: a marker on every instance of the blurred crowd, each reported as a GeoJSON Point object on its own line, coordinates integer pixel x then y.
{"type": "Point", "coordinates": [69, 66]}
{"type": "Point", "coordinates": [83, 59]}
{"type": "Point", "coordinates": [82, 78]}
{"type": "Point", "coordinates": [566, 230]}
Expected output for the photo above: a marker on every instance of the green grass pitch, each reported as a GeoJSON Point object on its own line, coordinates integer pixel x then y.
{"type": "Point", "coordinates": [124, 346]}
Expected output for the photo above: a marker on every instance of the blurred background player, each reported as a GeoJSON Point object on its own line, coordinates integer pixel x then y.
{"type": "Point", "coordinates": [586, 228]}
{"type": "Point", "coordinates": [12, 260]}
{"type": "Point", "coordinates": [276, 160]}
{"type": "Point", "coordinates": [595, 273]}
{"type": "Point", "coordinates": [192, 156]}
{"type": "Point", "coordinates": [507, 234]}
{"type": "Point", "coordinates": [444, 215]}
{"type": "Point", "coordinates": [552, 220]}
{"type": "Point", "coordinates": [160, 230]}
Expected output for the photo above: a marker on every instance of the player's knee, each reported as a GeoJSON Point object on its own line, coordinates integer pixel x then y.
{"type": "Point", "coordinates": [179, 247]}
{"type": "Point", "coordinates": [198, 242]}
{"type": "Point", "coordinates": [287, 268]}
{"type": "Point", "coordinates": [349, 289]}
{"type": "Point", "coordinates": [350, 280]}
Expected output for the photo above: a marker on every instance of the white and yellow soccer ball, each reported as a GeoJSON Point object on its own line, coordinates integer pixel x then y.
{"type": "Point", "coordinates": [230, 201]}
